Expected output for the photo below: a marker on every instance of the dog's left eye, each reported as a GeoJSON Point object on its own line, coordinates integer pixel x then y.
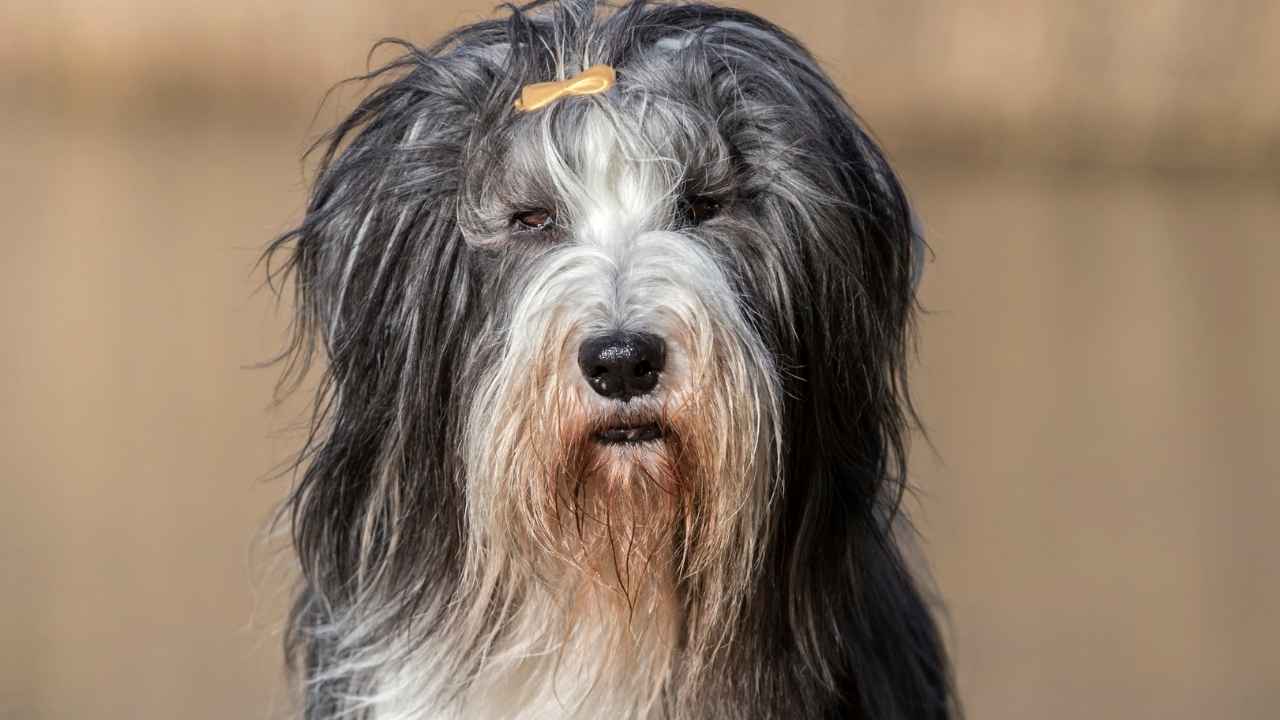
{"type": "Point", "coordinates": [533, 220]}
{"type": "Point", "coordinates": [698, 209]}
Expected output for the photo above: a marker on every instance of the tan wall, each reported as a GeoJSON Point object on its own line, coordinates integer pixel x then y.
{"type": "Point", "coordinates": [1098, 368]}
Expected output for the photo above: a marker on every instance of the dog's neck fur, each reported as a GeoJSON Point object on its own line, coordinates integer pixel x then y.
{"type": "Point", "coordinates": [584, 652]}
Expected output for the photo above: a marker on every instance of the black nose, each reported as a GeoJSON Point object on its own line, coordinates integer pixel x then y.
{"type": "Point", "coordinates": [624, 365]}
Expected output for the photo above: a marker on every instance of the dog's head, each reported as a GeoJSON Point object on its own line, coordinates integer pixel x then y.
{"type": "Point", "coordinates": [647, 340]}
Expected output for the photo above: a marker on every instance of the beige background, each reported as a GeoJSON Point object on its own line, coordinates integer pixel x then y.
{"type": "Point", "coordinates": [1098, 369]}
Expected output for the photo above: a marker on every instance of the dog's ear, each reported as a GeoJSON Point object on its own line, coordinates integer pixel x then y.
{"type": "Point", "coordinates": [384, 294]}
{"type": "Point", "coordinates": [381, 224]}
{"type": "Point", "coordinates": [675, 40]}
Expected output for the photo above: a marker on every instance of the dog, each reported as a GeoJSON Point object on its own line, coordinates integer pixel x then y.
{"type": "Point", "coordinates": [614, 305]}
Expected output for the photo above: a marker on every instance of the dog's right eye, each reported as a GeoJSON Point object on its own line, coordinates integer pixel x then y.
{"type": "Point", "coordinates": [533, 220]}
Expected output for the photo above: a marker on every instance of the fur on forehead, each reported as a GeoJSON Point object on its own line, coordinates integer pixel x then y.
{"type": "Point", "coordinates": [642, 156]}
{"type": "Point", "coordinates": [702, 92]}
{"type": "Point", "coordinates": [652, 129]}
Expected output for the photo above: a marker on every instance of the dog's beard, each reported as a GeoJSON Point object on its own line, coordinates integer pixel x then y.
{"type": "Point", "coordinates": [639, 520]}
{"type": "Point", "coordinates": [553, 496]}
{"type": "Point", "coordinates": [616, 509]}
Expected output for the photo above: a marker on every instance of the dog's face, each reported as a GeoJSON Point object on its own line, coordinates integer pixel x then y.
{"type": "Point", "coordinates": [625, 407]}
{"type": "Point", "coordinates": [637, 354]}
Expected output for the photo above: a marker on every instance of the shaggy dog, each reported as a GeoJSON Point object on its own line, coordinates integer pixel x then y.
{"type": "Point", "coordinates": [613, 305]}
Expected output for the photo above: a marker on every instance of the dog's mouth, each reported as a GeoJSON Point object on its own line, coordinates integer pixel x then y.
{"type": "Point", "coordinates": [628, 434]}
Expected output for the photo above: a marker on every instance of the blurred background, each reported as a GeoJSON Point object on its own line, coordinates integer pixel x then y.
{"type": "Point", "coordinates": [1098, 366]}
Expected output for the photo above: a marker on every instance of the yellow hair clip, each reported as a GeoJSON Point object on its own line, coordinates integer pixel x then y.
{"type": "Point", "coordinates": [595, 79]}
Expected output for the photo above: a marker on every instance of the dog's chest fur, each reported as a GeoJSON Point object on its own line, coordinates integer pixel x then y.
{"type": "Point", "coordinates": [604, 660]}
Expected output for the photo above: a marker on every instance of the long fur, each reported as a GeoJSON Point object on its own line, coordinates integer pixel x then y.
{"type": "Point", "coordinates": [467, 549]}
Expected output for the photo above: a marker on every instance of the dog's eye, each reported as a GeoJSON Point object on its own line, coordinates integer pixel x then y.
{"type": "Point", "coordinates": [533, 220]}
{"type": "Point", "coordinates": [698, 209]}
